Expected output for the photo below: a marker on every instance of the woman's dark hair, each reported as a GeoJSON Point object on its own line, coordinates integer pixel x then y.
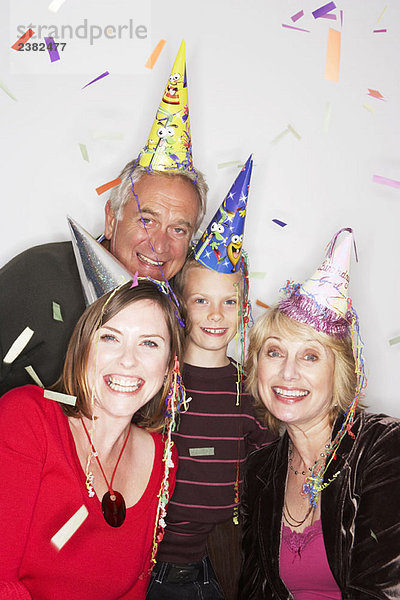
{"type": "Point", "coordinates": [73, 380]}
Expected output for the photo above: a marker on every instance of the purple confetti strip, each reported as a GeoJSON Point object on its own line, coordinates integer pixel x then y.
{"type": "Point", "coordinates": [297, 16]}
{"type": "Point", "coordinates": [341, 18]}
{"type": "Point", "coordinates": [97, 79]}
{"type": "Point", "coordinates": [380, 30]}
{"type": "Point", "coordinates": [280, 223]}
{"type": "Point", "coordinates": [52, 49]}
{"type": "Point", "coordinates": [323, 10]}
{"type": "Point", "coordinates": [385, 181]}
{"type": "Point", "coordinates": [296, 28]}
{"type": "Point", "coordinates": [329, 16]}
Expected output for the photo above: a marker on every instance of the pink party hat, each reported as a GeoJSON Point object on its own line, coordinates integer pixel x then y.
{"type": "Point", "coordinates": [322, 300]}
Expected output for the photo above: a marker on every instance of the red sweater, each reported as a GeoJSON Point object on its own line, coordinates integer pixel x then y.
{"type": "Point", "coordinates": [42, 486]}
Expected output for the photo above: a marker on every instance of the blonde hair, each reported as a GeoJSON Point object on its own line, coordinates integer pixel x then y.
{"type": "Point", "coordinates": [344, 379]}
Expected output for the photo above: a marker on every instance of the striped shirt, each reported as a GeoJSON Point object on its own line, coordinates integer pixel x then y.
{"type": "Point", "coordinates": [215, 435]}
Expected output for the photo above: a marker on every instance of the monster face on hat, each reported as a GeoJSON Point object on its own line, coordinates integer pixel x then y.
{"type": "Point", "coordinates": [220, 246]}
{"type": "Point", "coordinates": [169, 145]}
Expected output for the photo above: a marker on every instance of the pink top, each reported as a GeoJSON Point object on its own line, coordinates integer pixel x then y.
{"type": "Point", "coordinates": [42, 486]}
{"type": "Point", "coordinates": [304, 566]}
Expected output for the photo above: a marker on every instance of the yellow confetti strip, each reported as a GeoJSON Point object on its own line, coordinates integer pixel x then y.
{"type": "Point", "coordinates": [55, 5]}
{"type": "Point", "coordinates": [7, 91]}
{"type": "Point", "coordinates": [294, 132]}
{"type": "Point", "coordinates": [84, 152]}
{"type": "Point", "coordinates": [59, 397]}
{"type": "Point", "coordinates": [280, 136]}
{"type": "Point", "coordinates": [71, 526]}
{"type": "Point", "coordinates": [394, 340]}
{"type": "Point", "coordinates": [57, 316]}
{"type": "Point", "coordinates": [18, 345]}
{"type": "Point", "coordinates": [368, 107]}
{"type": "Point", "coordinates": [373, 535]}
{"type": "Point", "coordinates": [327, 118]}
{"type": "Point", "coordinates": [256, 275]}
{"type": "Point", "coordinates": [31, 371]}
{"type": "Point", "coordinates": [231, 163]}
{"type": "Point", "coordinates": [382, 13]}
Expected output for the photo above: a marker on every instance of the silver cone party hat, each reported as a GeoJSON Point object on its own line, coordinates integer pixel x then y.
{"type": "Point", "coordinates": [99, 270]}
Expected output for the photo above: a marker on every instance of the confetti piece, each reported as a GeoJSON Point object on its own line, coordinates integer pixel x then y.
{"type": "Point", "coordinates": [379, 30]}
{"type": "Point", "coordinates": [382, 13]}
{"type": "Point", "coordinates": [57, 316]}
{"type": "Point", "coordinates": [368, 107]}
{"type": "Point", "coordinates": [31, 371]}
{"type": "Point", "coordinates": [52, 49]}
{"type": "Point", "coordinates": [394, 340]}
{"type": "Point", "coordinates": [55, 5]}
{"type": "Point", "coordinates": [71, 526]}
{"type": "Point", "coordinates": [84, 152]}
{"type": "Point", "coordinates": [297, 16]}
{"type": "Point", "coordinates": [280, 223]}
{"type": "Point", "coordinates": [97, 79]}
{"type": "Point", "coordinates": [134, 280]}
{"type": "Point", "coordinates": [151, 61]}
{"type": "Point", "coordinates": [7, 91]}
{"type": "Point", "coordinates": [23, 39]}
{"type": "Point", "coordinates": [107, 186]}
{"type": "Point", "coordinates": [341, 18]}
{"type": "Point", "coordinates": [257, 275]}
{"type": "Point", "coordinates": [296, 28]}
{"type": "Point", "coordinates": [229, 164]}
{"type": "Point", "coordinates": [259, 303]}
{"type": "Point", "coordinates": [59, 397]}
{"type": "Point", "coordinates": [375, 94]}
{"type": "Point", "coordinates": [386, 181]}
{"type": "Point", "coordinates": [280, 136]}
{"type": "Point", "coordinates": [373, 535]}
{"type": "Point", "coordinates": [333, 55]}
{"type": "Point", "coordinates": [292, 130]}
{"type": "Point", "coordinates": [329, 16]}
{"type": "Point", "coordinates": [18, 345]}
{"type": "Point", "coordinates": [327, 118]}
{"type": "Point", "coordinates": [323, 10]}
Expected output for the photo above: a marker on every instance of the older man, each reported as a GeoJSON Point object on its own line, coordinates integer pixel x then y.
{"type": "Point", "coordinates": [149, 221]}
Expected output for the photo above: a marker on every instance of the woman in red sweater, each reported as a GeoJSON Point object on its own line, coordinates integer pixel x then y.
{"type": "Point", "coordinates": [83, 488]}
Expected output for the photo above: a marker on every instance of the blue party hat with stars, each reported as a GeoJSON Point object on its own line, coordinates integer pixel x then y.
{"type": "Point", "coordinates": [220, 246]}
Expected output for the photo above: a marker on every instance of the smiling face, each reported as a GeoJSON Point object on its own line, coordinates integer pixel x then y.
{"type": "Point", "coordinates": [295, 379]}
{"type": "Point", "coordinates": [169, 209]}
{"type": "Point", "coordinates": [128, 359]}
{"type": "Point", "coordinates": [211, 301]}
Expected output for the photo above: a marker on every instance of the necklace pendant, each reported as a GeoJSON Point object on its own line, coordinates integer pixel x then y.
{"type": "Point", "coordinates": [114, 508]}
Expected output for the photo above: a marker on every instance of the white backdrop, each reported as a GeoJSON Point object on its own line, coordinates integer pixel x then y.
{"type": "Point", "coordinates": [249, 78]}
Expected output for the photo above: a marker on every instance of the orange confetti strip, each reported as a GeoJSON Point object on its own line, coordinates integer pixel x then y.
{"type": "Point", "coordinates": [151, 61]}
{"type": "Point", "coordinates": [24, 38]}
{"type": "Point", "coordinates": [259, 303]}
{"type": "Point", "coordinates": [107, 186]}
{"type": "Point", "coordinates": [375, 94]}
{"type": "Point", "coordinates": [333, 55]}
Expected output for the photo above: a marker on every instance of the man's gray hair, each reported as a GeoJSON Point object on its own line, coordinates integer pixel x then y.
{"type": "Point", "coordinates": [121, 194]}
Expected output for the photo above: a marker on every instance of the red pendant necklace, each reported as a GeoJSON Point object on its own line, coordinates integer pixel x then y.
{"type": "Point", "coordinates": [113, 503]}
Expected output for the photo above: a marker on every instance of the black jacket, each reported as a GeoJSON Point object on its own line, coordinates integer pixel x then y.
{"type": "Point", "coordinates": [360, 514]}
{"type": "Point", "coordinates": [29, 284]}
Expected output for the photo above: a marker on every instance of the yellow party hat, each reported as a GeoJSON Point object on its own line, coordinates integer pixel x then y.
{"type": "Point", "coordinates": [169, 146]}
